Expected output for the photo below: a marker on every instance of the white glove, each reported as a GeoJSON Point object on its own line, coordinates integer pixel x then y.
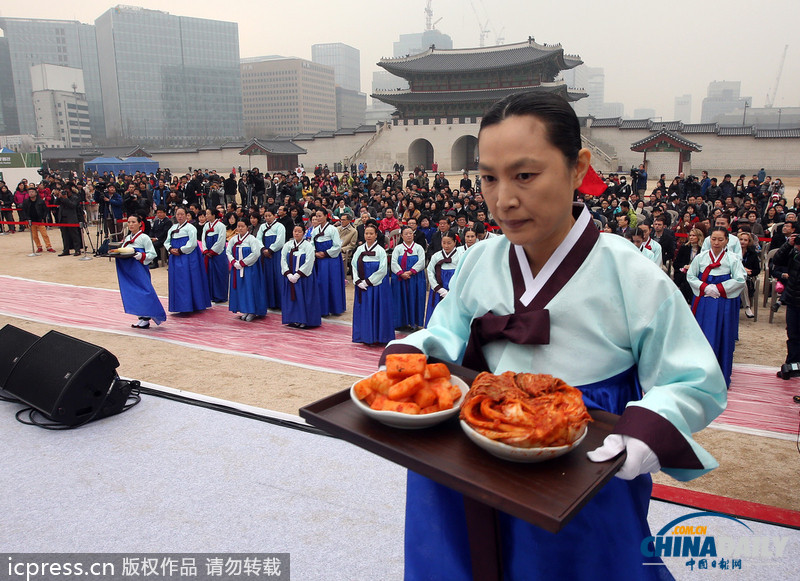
{"type": "Point", "coordinates": [138, 257]}
{"type": "Point", "coordinates": [641, 459]}
{"type": "Point", "coordinates": [442, 292]}
{"type": "Point", "coordinates": [293, 278]}
{"type": "Point", "coordinates": [712, 291]}
{"type": "Point", "coordinates": [237, 265]}
{"type": "Point", "coordinates": [363, 285]}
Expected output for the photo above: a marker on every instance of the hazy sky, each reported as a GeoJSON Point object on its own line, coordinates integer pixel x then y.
{"type": "Point", "coordinates": [651, 51]}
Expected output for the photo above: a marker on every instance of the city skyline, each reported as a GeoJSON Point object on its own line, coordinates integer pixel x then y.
{"type": "Point", "coordinates": [649, 57]}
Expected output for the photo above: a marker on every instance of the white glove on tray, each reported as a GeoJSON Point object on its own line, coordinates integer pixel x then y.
{"type": "Point", "coordinates": [442, 292]}
{"type": "Point", "coordinates": [363, 285]}
{"type": "Point", "coordinates": [641, 459]}
{"type": "Point", "coordinates": [712, 291]}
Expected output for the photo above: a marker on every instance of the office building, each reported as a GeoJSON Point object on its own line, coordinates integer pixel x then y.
{"type": "Point", "coordinates": [683, 109]}
{"type": "Point", "coordinates": [723, 97]}
{"type": "Point", "coordinates": [644, 113]}
{"type": "Point", "coordinates": [411, 44]}
{"type": "Point", "coordinates": [60, 106]}
{"type": "Point", "coordinates": [169, 79]}
{"type": "Point", "coordinates": [284, 96]}
{"type": "Point", "coordinates": [345, 60]}
{"type": "Point", "coordinates": [30, 42]}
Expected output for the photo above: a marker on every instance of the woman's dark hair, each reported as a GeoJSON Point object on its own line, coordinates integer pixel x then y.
{"type": "Point", "coordinates": [719, 229]}
{"type": "Point", "coordinates": [228, 224]}
{"type": "Point", "coordinates": [563, 128]}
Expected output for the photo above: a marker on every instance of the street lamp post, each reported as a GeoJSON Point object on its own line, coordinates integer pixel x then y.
{"type": "Point", "coordinates": [744, 117]}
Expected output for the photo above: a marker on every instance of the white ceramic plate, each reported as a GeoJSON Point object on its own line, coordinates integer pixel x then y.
{"type": "Point", "coordinates": [516, 454]}
{"type": "Point", "coordinates": [411, 421]}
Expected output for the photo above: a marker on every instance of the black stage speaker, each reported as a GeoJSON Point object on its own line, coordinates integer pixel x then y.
{"type": "Point", "coordinates": [13, 344]}
{"type": "Point", "coordinates": [68, 380]}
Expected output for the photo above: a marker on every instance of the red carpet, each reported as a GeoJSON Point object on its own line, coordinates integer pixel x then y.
{"type": "Point", "coordinates": [327, 348]}
{"type": "Point", "coordinates": [732, 506]}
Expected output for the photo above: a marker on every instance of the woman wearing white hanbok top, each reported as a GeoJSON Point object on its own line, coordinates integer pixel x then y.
{"type": "Point", "coordinates": [247, 283]}
{"type": "Point", "coordinates": [299, 301]}
{"type": "Point", "coordinates": [188, 283]}
{"type": "Point", "coordinates": [214, 259]}
{"type": "Point", "coordinates": [138, 295]}
{"type": "Point", "coordinates": [408, 282]}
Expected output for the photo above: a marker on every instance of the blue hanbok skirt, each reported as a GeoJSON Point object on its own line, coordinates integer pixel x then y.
{"type": "Point", "coordinates": [188, 283]}
{"type": "Point", "coordinates": [372, 311]}
{"type": "Point", "coordinates": [271, 271]}
{"type": "Point", "coordinates": [602, 542]}
{"type": "Point", "coordinates": [217, 268]}
{"type": "Point", "coordinates": [139, 298]}
{"type": "Point", "coordinates": [719, 319]}
{"type": "Point", "coordinates": [433, 297]}
{"type": "Point", "coordinates": [305, 308]}
{"type": "Point", "coordinates": [248, 294]}
{"type": "Point", "coordinates": [408, 298]}
{"type": "Point", "coordinates": [330, 281]}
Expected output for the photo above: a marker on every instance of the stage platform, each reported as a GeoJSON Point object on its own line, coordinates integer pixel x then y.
{"type": "Point", "coordinates": [169, 477]}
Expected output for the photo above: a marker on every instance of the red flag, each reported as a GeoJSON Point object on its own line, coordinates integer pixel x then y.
{"type": "Point", "coordinates": [592, 185]}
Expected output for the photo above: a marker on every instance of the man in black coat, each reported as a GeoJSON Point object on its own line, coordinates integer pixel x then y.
{"type": "Point", "coordinates": [68, 214]}
{"type": "Point", "coordinates": [436, 240]}
{"type": "Point", "coordinates": [664, 237]}
{"type": "Point", "coordinates": [159, 231]}
{"type": "Point", "coordinates": [788, 258]}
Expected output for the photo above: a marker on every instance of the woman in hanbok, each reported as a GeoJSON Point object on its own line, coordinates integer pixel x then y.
{"type": "Point", "coordinates": [529, 301]}
{"type": "Point", "coordinates": [408, 282]}
{"type": "Point", "coordinates": [247, 294]}
{"type": "Point", "coordinates": [328, 266]}
{"type": "Point", "coordinates": [373, 321]}
{"type": "Point", "coordinates": [214, 259]}
{"type": "Point", "coordinates": [717, 277]}
{"type": "Point", "coordinates": [470, 238]}
{"type": "Point", "coordinates": [138, 295]}
{"type": "Point", "coordinates": [272, 236]}
{"type": "Point", "coordinates": [299, 301]}
{"type": "Point", "coordinates": [441, 269]}
{"type": "Point", "coordinates": [188, 283]}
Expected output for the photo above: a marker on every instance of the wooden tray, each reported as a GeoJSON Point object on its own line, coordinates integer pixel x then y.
{"type": "Point", "coordinates": [547, 494]}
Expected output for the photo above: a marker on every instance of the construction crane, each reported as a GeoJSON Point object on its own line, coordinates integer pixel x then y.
{"type": "Point", "coordinates": [771, 98]}
{"type": "Point", "coordinates": [429, 24]}
{"type": "Point", "coordinates": [484, 28]}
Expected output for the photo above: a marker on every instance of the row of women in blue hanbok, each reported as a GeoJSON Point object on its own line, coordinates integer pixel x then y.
{"type": "Point", "coordinates": [139, 298]}
{"type": "Point", "coordinates": [188, 281]}
{"type": "Point", "coordinates": [247, 294]}
{"type": "Point", "coordinates": [373, 321]}
{"type": "Point", "coordinates": [717, 278]}
{"type": "Point", "coordinates": [300, 303]}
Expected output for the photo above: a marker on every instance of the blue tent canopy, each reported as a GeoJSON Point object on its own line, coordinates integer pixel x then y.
{"type": "Point", "coordinates": [142, 164]}
{"type": "Point", "coordinates": [6, 150]}
{"type": "Point", "coordinates": [104, 164]}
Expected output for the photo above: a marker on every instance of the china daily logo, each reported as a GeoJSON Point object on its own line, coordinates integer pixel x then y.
{"type": "Point", "coordinates": [692, 541]}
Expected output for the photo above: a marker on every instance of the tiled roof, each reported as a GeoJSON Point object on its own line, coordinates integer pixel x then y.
{"type": "Point", "coordinates": [668, 125]}
{"type": "Point", "coordinates": [366, 129]}
{"type": "Point", "coordinates": [665, 135]}
{"type": "Point", "coordinates": [699, 128]}
{"type": "Point", "coordinates": [276, 146]}
{"type": "Point", "coordinates": [735, 131]}
{"type": "Point", "coordinates": [607, 122]}
{"type": "Point", "coordinates": [93, 152]}
{"type": "Point", "coordinates": [417, 97]}
{"type": "Point", "coordinates": [479, 59]}
{"type": "Point", "coordinates": [635, 124]}
{"type": "Point", "coordinates": [777, 133]}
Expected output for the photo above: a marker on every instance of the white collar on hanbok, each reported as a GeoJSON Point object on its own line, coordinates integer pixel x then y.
{"type": "Point", "coordinates": [534, 284]}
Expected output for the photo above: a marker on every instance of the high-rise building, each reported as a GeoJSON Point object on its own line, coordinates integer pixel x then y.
{"type": "Point", "coordinates": [577, 79]}
{"type": "Point", "coordinates": [351, 103]}
{"type": "Point", "coordinates": [683, 108]}
{"type": "Point", "coordinates": [29, 42]}
{"type": "Point", "coordinates": [284, 96]}
{"type": "Point", "coordinates": [644, 113]}
{"type": "Point", "coordinates": [345, 60]}
{"type": "Point", "coordinates": [596, 89]}
{"type": "Point", "coordinates": [169, 79]}
{"type": "Point", "coordinates": [60, 106]}
{"type": "Point", "coordinates": [723, 97]}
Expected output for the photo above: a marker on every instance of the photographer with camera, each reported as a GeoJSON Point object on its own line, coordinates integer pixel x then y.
{"type": "Point", "coordinates": [257, 188]}
{"type": "Point", "coordinates": [639, 180]}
